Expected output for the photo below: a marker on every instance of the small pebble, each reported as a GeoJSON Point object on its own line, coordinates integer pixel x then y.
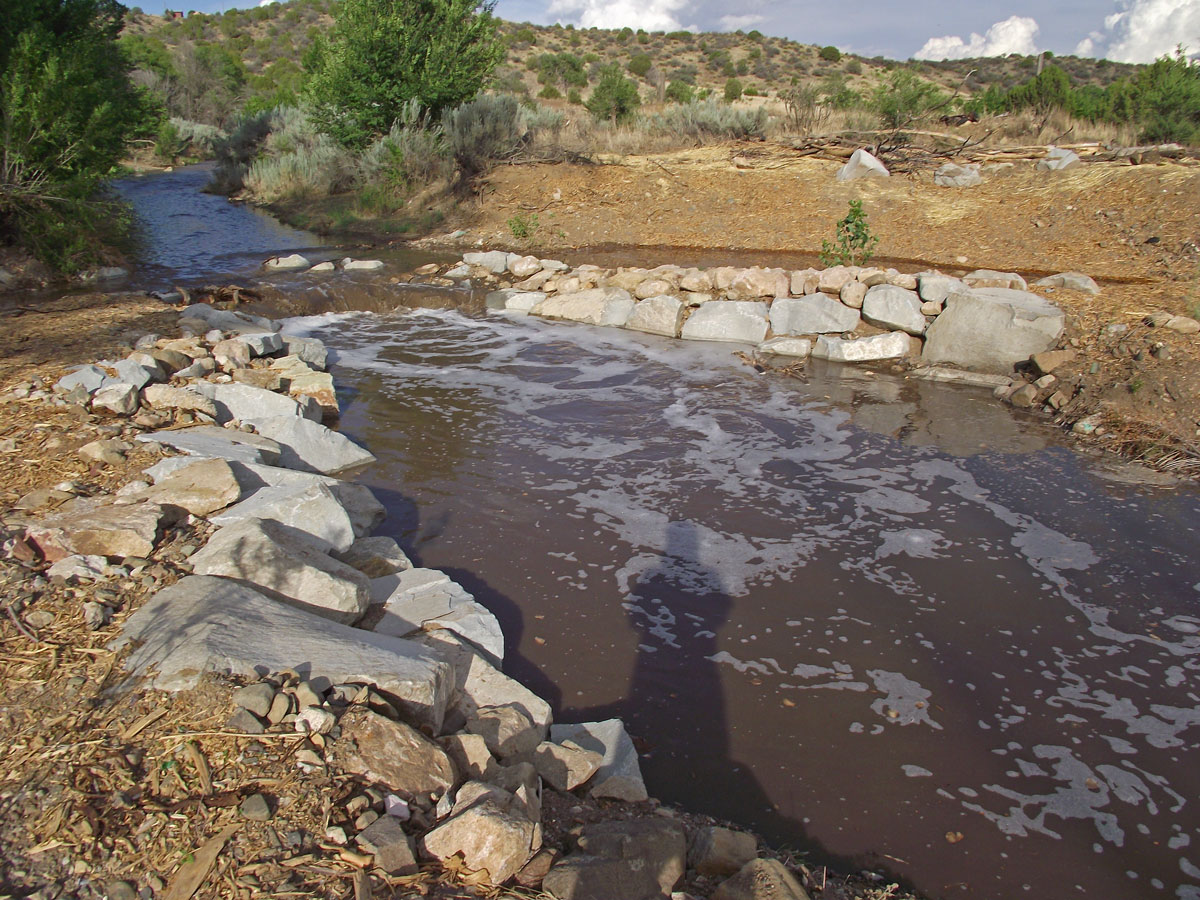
{"type": "Point", "coordinates": [256, 808]}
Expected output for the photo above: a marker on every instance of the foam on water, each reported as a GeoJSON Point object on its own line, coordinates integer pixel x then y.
{"type": "Point", "coordinates": [799, 543]}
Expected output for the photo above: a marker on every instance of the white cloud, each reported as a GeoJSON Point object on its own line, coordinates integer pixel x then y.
{"type": "Point", "coordinates": [1015, 34]}
{"type": "Point", "coordinates": [1146, 29]}
{"type": "Point", "coordinates": [738, 23]}
{"type": "Point", "coordinates": [652, 15]}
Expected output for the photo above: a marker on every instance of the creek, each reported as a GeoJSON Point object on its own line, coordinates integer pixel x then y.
{"type": "Point", "coordinates": [887, 622]}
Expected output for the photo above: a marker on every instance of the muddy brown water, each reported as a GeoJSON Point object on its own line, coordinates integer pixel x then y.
{"type": "Point", "coordinates": [892, 624]}
{"type": "Point", "coordinates": [863, 614]}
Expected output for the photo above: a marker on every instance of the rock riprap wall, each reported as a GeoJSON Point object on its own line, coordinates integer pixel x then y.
{"type": "Point", "coordinates": [985, 322]}
{"type": "Point", "coordinates": [394, 672]}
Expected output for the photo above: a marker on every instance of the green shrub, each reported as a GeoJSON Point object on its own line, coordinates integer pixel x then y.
{"type": "Point", "coordinates": [482, 131]}
{"type": "Point", "coordinates": [830, 54]}
{"type": "Point", "coordinates": [640, 64]}
{"type": "Point", "coordinates": [550, 92]}
{"type": "Point", "coordinates": [680, 92]}
{"type": "Point", "coordinates": [904, 99]}
{"type": "Point", "coordinates": [855, 243]}
{"type": "Point", "coordinates": [615, 97]}
{"type": "Point", "coordinates": [383, 53]}
{"type": "Point", "coordinates": [751, 90]}
{"type": "Point", "coordinates": [574, 97]}
{"type": "Point", "coordinates": [854, 67]}
{"type": "Point", "coordinates": [733, 90]}
{"type": "Point", "coordinates": [66, 108]}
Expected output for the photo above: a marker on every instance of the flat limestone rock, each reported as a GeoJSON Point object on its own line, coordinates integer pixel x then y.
{"type": "Point", "coordinates": [244, 401]}
{"type": "Point", "coordinates": [312, 509]}
{"type": "Point", "coordinates": [721, 851]}
{"type": "Point", "coordinates": [165, 396]}
{"type": "Point", "coordinates": [222, 443]}
{"type": "Point", "coordinates": [893, 308]}
{"type": "Point", "coordinates": [392, 753]}
{"type": "Point", "coordinates": [1071, 281]}
{"type": "Point", "coordinates": [565, 767]}
{"type": "Point", "coordinates": [787, 346]}
{"type": "Point", "coordinates": [205, 624]}
{"type": "Point", "coordinates": [513, 300]}
{"type": "Point", "coordinates": [284, 563]}
{"type": "Point", "coordinates": [376, 557]}
{"type": "Point", "coordinates": [619, 775]}
{"type": "Point", "coordinates": [201, 487]}
{"type": "Point", "coordinates": [425, 599]}
{"type": "Point", "coordinates": [894, 345]}
{"type": "Point", "coordinates": [659, 844]}
{"type": "Point", "coordinates": [99, 528]}
{"type": "Point", "coordinates": [365, 511]}
{"type": "Point", "coordinates": [740, 321]}
{"type": "Point", "coordinates": [812, 314]}
{"type": "Point", "coordinates": [310, 446]}
{"type": "Point", "coordinates": [597, 306]}
{"type": "Point", "coordinates": [120, 399]}
{"type": "Point", "coordinates": [992, 329]}
{"type": "Point", "coordinates": [479, 684]}
{"type": "Point", "coordinates": [660, 314]}
{"type": "Point", "coordinates": [761, 879]}
{"type": "Point", "coordinates": [495, 834]}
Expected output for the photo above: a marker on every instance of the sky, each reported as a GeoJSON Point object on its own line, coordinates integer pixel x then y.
{"type": "Point", "coordinates": [1120, 30]}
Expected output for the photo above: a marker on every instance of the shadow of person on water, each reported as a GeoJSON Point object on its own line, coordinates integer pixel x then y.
{"type": "Point", "coordinates": [675, 703]}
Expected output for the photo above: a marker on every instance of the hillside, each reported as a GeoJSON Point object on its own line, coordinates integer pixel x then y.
{"type": "Point", "coordinates": [213, 66]}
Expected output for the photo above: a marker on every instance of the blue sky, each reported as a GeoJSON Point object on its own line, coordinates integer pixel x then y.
{"type": "Point", "coordinates": [1126, 30]}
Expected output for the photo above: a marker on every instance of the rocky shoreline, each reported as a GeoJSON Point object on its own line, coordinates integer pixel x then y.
{"type": "Point", "coordinates": [379, 675]}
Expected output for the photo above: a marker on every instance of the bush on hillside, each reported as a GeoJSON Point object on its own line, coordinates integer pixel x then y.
{"type": "Point", "coordinates": [615, 97]}
{"type": "Point", "coordinates": [482, 131]}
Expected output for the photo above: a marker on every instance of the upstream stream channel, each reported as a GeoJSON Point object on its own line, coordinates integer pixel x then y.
{"type": "Point", "coordinates": [889, 623]}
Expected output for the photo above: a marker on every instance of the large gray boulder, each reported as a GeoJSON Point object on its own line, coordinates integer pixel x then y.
{"type": "Point", "coordinates": [954, 175]}
{"type": "Point", "coordinates": [284, 563]}
{"type": "Point", "coordinates": [495, 261]}
{"type": "Point", "coordinates": [314, 510]}
{"type": "Point", "coordinates": [203, 624]}
{"type": "Point", "coordinates": [741, 321]}
{"type": "Point", "coordinates": [862, 165]}
{"type": "Point", "coordinates": [812, 314]}
{"type": "Point", "coordinates": [887, 306]}
{"type": "Point", "coordinates": [310, 446]}
{"type": "Point", "coordinates": [619, 775]}
{"type": "Point", "coordinates": [597, 306]}
{"type": "Point", "coordinates": [309, 350]}
{"type": "Point", "coordinates": [1057, 159]}
{"type": "Point", "coordinates": [661, 314]}
{"type": "Point", "coordinates": [213, 441]}
{"type": "Point", "coordinates": [787, 346]}
{"type": "Point", "coordinates": [992, 329]}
